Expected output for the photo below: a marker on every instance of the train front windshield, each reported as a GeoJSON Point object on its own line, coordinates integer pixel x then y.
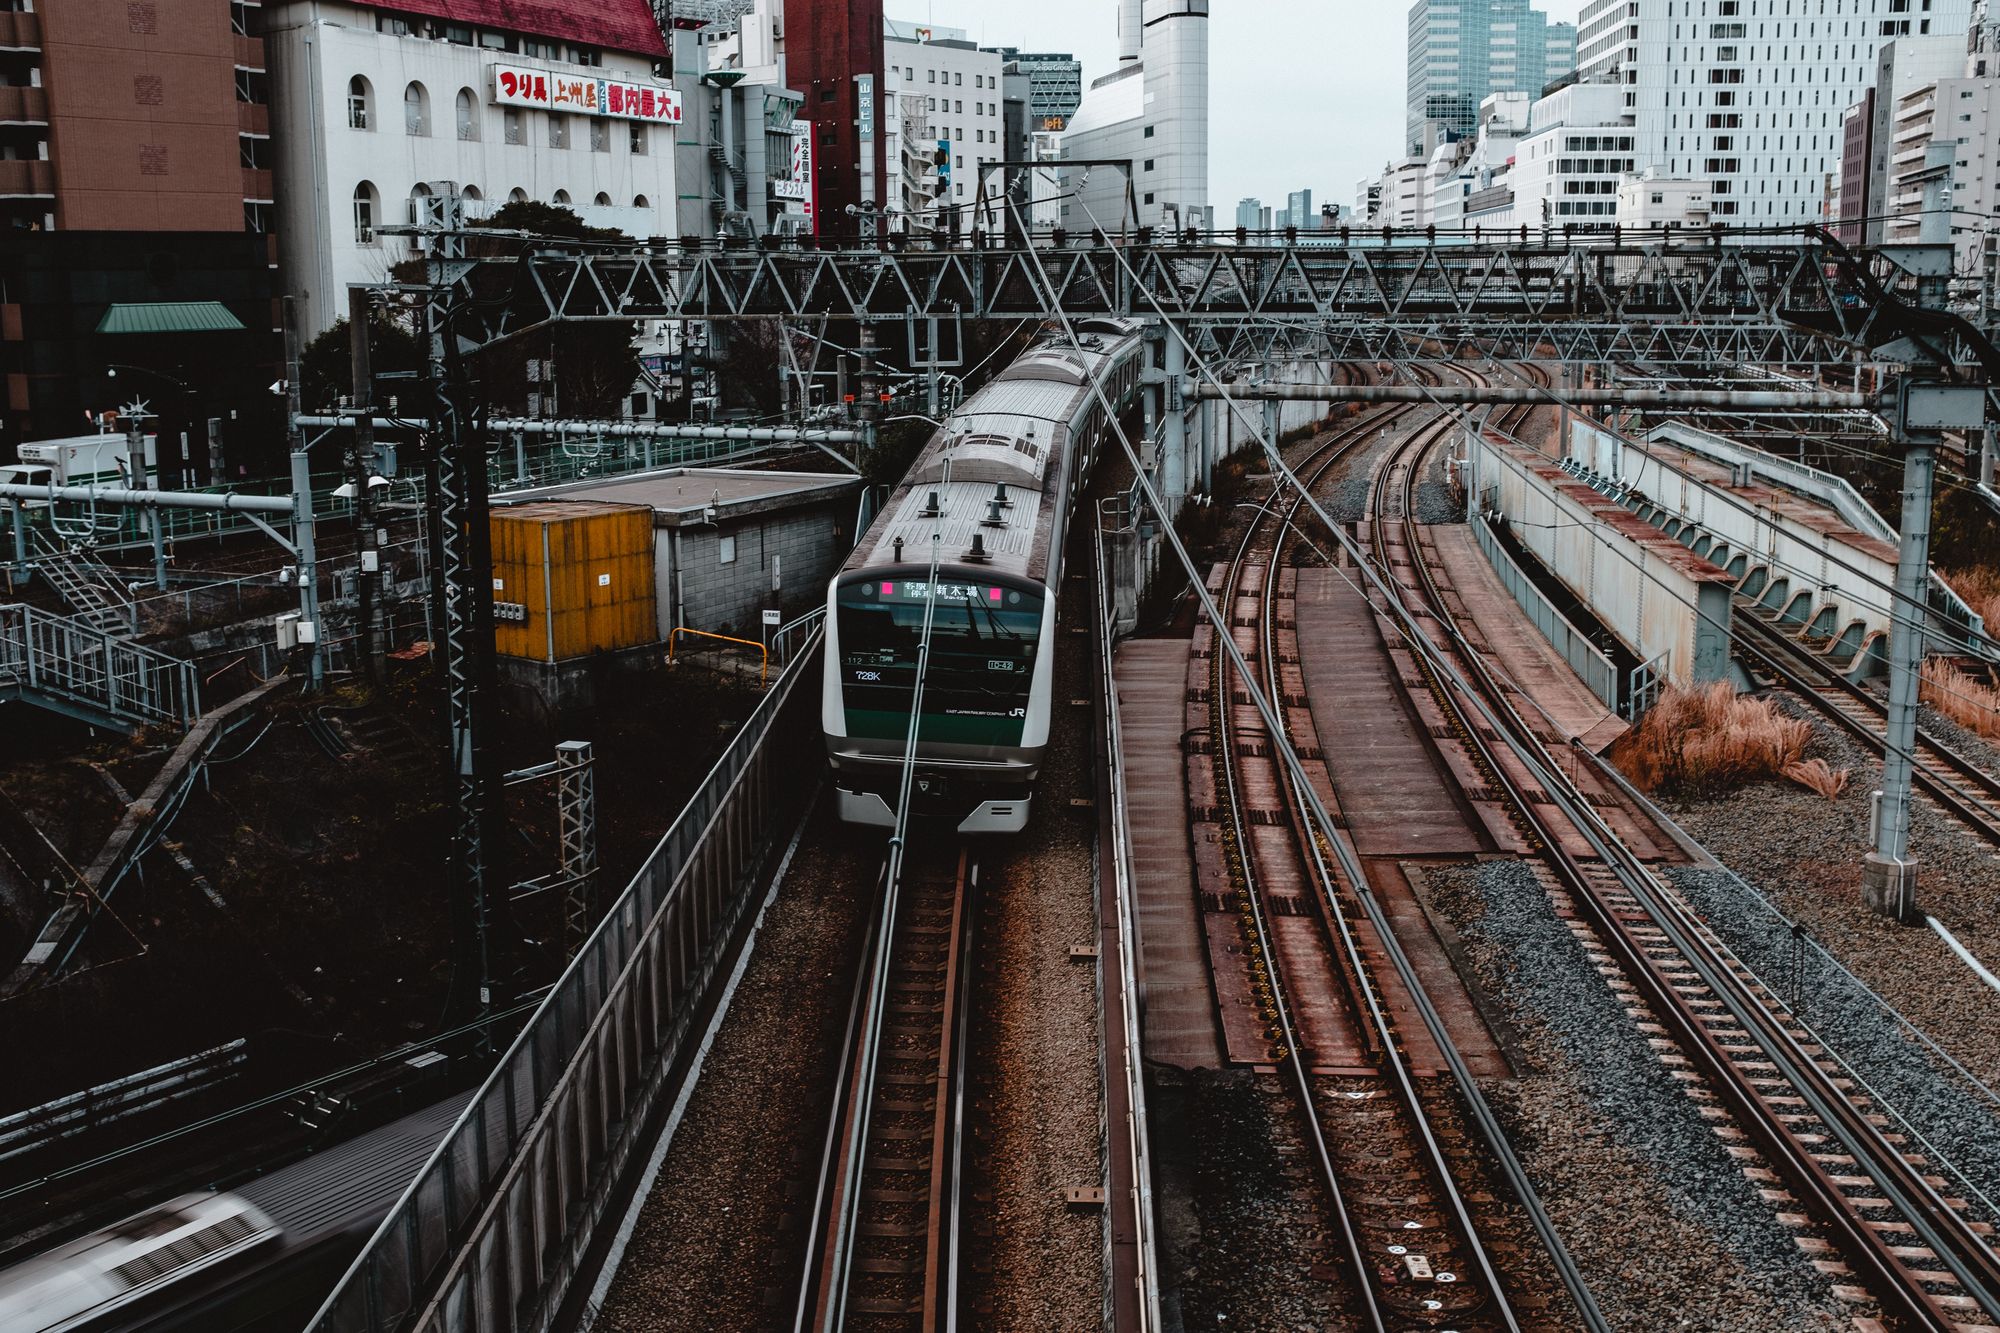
{"type": "Point", "coordinates": [982, 660]}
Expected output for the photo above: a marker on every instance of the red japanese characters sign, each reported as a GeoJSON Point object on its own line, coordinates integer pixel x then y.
{"type": "Point", "coordinates": [584, 95]}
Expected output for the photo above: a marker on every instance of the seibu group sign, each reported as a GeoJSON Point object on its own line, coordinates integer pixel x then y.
{"type": "Point", "coordinates": [584, 94]}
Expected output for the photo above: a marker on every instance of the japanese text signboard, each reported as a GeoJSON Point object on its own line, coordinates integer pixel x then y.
{"type": "Point", "coordinates": [584, 95]}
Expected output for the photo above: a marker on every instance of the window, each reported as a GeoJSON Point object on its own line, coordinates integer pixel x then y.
{"type": "Point", "coordinates": [1149, 164]}
{"type": "Point", "coordinates": [933, 74]}
{"type": "Point", "coordinates": [1149, 131]}
{"type": "Point", "coordinates": [471, 194]}
{"type": "Point", "coordinates": [364, 214]}
{"type": "Point", "coordinates": [458, 34]}
{"type": "Point", "coordinates": [357, 103]}
{"type": "Point", "coordinates": [639, 201]}
{"type": "Point", "coordinates": [600, 136]}
{"type": "Point", "coordinates": [638, 139]}
{"type": "Point", "coordinates": [603, 200]}
{"type": "Point", "coordinates": [562, 197]}
{"type": "Point", "coordinates": [468, 115]}
{"type": "Point", "coordinates": [510, 125]}
{"type": "Point", "coordinates": [558, 130]}
{"type": "Point", "coordinates": [959, 107]}
{"type": "Point", "coordinates": [416, 111]}
{"type": "Point", "coordinates": [958, 79]}
{"type": "Point", "coordinates": [517, 195]}
{"type": "Point", "coordinates": [1149, 198]}
{"type": "Point", "coordinates": [419, 208]}
{"type": "Point", "coordinates": [725, 549]}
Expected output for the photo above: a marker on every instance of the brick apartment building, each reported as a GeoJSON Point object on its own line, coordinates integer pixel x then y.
{"type": "Point", "coordinates": [834, 55]}
{"type": "Point", "coordinates": [135, 210]}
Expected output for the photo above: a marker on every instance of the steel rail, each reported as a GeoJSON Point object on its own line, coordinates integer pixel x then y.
{"type": "Point", "coordinates": [1334, 918]}
{"type": "Point", "coordinates": [1242, 865]}
{"type": "Point", "coordinates": [1716, 966]}
{"type": "Point", "coordinates": [826, 1299]}
{"type": "Point", "coordinates": [1810, 678]}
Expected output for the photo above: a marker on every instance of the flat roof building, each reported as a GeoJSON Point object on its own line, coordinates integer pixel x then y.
{"type": "Point", "coordinates": [376, 106]}
{"type": "Point", "coordinates": [730, 542]}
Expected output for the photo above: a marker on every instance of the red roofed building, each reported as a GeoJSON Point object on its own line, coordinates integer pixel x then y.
{"type": "Point", "coordinates": [563, 101]}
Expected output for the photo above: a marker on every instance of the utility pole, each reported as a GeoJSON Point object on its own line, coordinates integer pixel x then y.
{"type": "Point", "coordinates": [1923, 412]}
{"type": "Point", "coordinates": [368, 554]}
{"type": "Point", "coordinates": [302, 525]}
{"type": "Point", "coordinates": [457, 466]}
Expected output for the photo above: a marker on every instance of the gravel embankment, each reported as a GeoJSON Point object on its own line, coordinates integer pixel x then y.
{"type": "Point", "coordinates": [1804, 852]}
{"type": "Point", "coordinates": [1960, 1123]}
{"type": "Point", "coordinates": [1037, 1040]}
{"type": "Point", "coordinates": [1666, 1228]}
{"type": "Point", "coordinates": [719, 1230]}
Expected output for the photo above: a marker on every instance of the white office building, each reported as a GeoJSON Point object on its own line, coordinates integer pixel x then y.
{"type": "Point", "coordinates": [1568, 168]}
{"type": "Point", "coordinates": [1153, 111]}
{"type": "Point", "coordinates": [374, 107]}
{"type": "Point", "coordinates": [1748, 96]}
{"type": "Point", "coordinates": [947, 94]}
{"type": "Point", "coordinates": [1650, 200]}
{"type": "Point", "coordinates": [1943, 184]}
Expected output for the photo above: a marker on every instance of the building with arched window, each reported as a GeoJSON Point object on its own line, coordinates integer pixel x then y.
{"type": "Point", "coordinates": [489, 111]}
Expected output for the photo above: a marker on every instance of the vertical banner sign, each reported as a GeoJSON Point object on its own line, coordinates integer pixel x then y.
{"type": "Point", "coordinates": [801, 192]}
{"type": "Point", "coordinates": [864, 111]}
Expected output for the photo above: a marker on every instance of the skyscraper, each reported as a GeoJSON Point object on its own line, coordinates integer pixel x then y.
{"type": "Point", "coordinates": [1151, 111]}
{"type": "Point", "coordinates": [1463, 50]}
{"type": "Point", "coordinates": [1249, 212]}
{"type": "Point", "coordinates": [1752, 98]}
{"type": "Point", "coordinates": [1299, 209]}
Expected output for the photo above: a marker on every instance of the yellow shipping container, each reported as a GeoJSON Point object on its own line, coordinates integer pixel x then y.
{"type": "Point", "coordinates": [572, 577]}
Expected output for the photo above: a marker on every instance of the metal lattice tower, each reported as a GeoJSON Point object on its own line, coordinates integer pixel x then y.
{"type": "Point", "coordinates": [576, 818]}
{"type": "Point", "coordinates": [458, 498]}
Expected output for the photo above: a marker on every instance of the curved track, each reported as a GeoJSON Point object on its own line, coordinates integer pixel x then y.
{"type": "Point", "coordinates": [1408, 1233]}
{"type": "Point", "coordinates": [1911, 1255]}
{"type": "Point", "coordinates": [1967, 792]}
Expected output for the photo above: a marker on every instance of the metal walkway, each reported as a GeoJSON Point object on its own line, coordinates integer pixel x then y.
{"type": "Point", "coordinates": [88, 586]}
{"type": "Point", "coordinates": [102, 678]}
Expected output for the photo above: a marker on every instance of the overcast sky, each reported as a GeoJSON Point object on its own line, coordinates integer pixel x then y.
{"type": "Point", "coordinates": [1303, 94]}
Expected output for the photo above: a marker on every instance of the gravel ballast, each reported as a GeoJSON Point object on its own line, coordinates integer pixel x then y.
{"type": "Point", "coordinates": [1666, 1228]}
{"type": "Point", "coordinates": [1804, 852]}
{"type": "Point", "coordinates": [1037, 1035]}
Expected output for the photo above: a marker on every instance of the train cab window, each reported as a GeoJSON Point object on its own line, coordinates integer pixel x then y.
{"type": "Point", "coordinates": [984, 638]}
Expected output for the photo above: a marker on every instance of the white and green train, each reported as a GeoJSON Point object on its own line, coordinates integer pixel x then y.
{"type": "Point", "coordinates": [989, 500]}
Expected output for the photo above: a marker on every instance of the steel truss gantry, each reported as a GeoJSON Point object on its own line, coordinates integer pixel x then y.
{"type": "Point", "coordinates": [1700, 298]}
{"type": "Point", "coordinates": [1797, 301]}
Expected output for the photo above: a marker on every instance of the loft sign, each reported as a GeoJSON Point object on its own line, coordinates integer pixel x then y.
{"type": "Point", "coordinates": [584, 95]}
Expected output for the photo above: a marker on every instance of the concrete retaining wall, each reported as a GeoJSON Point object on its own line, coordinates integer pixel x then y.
{"type": "Point", "coordinates": [1669, 607]}
{"type": "Point", "coordinates": [1794, 555]}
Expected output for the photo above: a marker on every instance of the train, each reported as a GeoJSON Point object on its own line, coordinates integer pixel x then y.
{"type": "Point", "coordinates": [260, 1256]}
{"type": "Point", "coordinates": [975, 533]}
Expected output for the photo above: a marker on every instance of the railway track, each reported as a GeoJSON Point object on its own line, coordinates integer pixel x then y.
{"type": "Point", "coordinates": [1967, 792]}
{"type": "Point", "coordinates": [1879, 1217]}
{"type": "Point", "coordinates": [884, 1248]}
{"type": "Point", "coordinates": [1411, 1239]}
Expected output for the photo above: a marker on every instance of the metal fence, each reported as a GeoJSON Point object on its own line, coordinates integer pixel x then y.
{"type": "Point", "coordinates": [71, 664]}
{"type": "Point", "coordinates": [491, 1234]}
{"type": "Point", "coordinates": [1583, 656]}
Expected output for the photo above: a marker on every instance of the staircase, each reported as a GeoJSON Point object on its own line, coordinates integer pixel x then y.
{"type": "Point", "coordinates": [88, 586]}
{"type": "Point", "coordinates": [73, 667]}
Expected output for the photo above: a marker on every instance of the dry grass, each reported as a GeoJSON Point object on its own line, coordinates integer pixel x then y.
{"type": "Point", "coordinates": [1820, 776]}
{"type": "Point", "coordinates": [1980, 587]}
{"type": "Point", "coordinates": [1703, 742]}
{"type": "Point", "coordinates": [1974, 706]}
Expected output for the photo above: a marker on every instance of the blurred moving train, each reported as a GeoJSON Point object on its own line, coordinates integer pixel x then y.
{"type": "Point", "coordinates": [988, 501]}
{"type": "Point", "coordinates": [259, 1257]}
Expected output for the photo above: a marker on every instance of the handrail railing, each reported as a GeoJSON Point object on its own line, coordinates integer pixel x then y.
{"type": "Point", "coordinates": [1584, 657]}
{"type": "Point", "coordinates": [1133, 1072]}
{"type": "Point", "coordinates": [66, 663]}
{"type": "Point", "coordinates": [763, 652]}
{"type": "Point", "coordinates": [495, 1228]}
